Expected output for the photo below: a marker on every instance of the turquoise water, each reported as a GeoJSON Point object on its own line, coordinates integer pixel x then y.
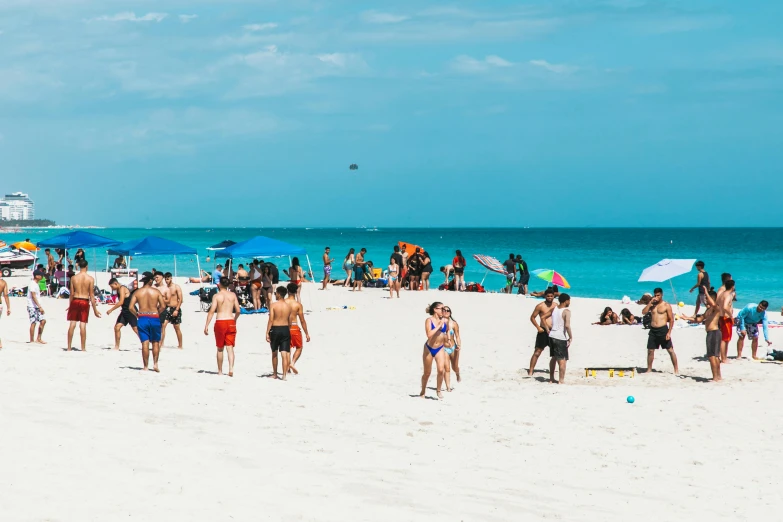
{"type": "Point", "coordinates": [597, 262]}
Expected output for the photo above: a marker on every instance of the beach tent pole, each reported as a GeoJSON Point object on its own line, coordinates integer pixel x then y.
{"type": "Point", "coordinates": [175, 266]}
{"type": "Point", "coordinates": [673, 292]}
{"type": "Point", "coordinates": [201, 279]}
{"type": "Point", "coordinates": [107, 260]}
{"type": "Point", "coordinates": [309, 267]}
{"type": "Point", "coordinates": [483, 278]}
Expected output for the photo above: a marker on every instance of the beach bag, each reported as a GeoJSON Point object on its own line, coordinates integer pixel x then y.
{"type": "Point", "coordinates": [647, 320]}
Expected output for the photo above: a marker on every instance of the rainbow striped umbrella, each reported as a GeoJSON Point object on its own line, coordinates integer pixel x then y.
{"type": "Point", "coordinates": [551, 276]}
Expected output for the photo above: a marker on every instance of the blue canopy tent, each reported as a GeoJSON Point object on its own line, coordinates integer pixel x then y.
{"type": "Point", "coordinates": [153, 246]}
{"type": "Point", "coordinates": [76, 239]}
{"type": "Point", "coordinates": [263, 247]}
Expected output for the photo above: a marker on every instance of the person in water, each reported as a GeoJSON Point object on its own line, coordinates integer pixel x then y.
{"type": "Point", "coordinates": [436, 328]}
{"type": "Point", "coordinates": [452, 347]}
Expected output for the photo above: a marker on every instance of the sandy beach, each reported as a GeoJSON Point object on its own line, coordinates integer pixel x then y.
{"type": "Point", "coordinates": [88, 436]}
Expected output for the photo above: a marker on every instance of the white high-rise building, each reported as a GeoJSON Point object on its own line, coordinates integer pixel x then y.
{"type": "Point", "coordinates": [17, 205]}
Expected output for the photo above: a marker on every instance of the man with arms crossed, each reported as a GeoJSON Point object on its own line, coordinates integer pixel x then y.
{"type": "Point", "coordinates": [82, 287]}
{"type": "Point", "coordinates": [126, 318]}
{"type": "Point", "coordinates": [560, 338]}
{"type": "Point", "coordinates": [297, 313]}
{"type": "Point", "coordinates": [226, 305]}
{"type": "Point", "coordinates": [660, 329]}
{"type": "Point", "coordinates": [542, 312]}
{"type": "Point", "coordinates": [4, 296]}
{"type": "Point", "coordinates": [712, 326]}
{"type": "Point", "coordinates": [278, 331]}
{"type": "Point", "coordinates": [173, 313]}
{"type": "Point", "coordinates": [725, 305]}
{"type": "Point", "coordinates": [748, 320]}
{"type": "Point", "coordinates": [150, 305]}
{"type": "Point", "coordinates": [327, 267]}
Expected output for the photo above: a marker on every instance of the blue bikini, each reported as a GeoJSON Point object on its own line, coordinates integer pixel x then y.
{"type": "Point", "coordinates": [434, 351]}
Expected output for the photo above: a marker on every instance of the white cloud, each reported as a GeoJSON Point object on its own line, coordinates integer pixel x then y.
{"type": "Point", "coordinates": [468, 64]}
{"type": "Point", "coordinates": [375, 17]}
{"type": "Point", "coordinates": [553, 67]}
{"type": "Point", "coordinates": [497, 61]}
{"type": "Point", "coordinates": [187, 18]}
{"type": "Point", "coordinates": [259, 27]}
{"type": "Point", "coordinates": [129, 16]}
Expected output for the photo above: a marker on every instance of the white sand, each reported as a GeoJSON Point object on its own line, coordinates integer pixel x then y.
{"type": "Point", "coordinates": [87, 436]}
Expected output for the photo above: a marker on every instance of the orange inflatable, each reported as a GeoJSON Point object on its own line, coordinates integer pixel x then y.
{"type": "Point", "coordinates": [410, 248]}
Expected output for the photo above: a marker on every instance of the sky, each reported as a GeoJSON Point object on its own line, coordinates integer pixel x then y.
{"type": "Point", "coordinates": [474, 113]}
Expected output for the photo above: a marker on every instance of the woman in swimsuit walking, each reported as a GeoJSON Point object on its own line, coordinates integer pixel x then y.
{"type": "Point", "coordinates": [452, 346]}
{"type": "Point", "coordinates": [394, 275]}
{"type": "Point", "coordinates": [348, 266]}
{"type": "Point", "coordinates": [436, 329]}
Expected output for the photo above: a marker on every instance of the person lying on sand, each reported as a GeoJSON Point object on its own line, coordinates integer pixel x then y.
{"type": "Point", "coordinates": [608, 317]}
{"type": "Point", "coordinates": [205, 278]}
{"type": "Point", "coordinates": [626, 317]}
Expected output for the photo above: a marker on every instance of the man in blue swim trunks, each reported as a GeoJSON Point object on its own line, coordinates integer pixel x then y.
{"type": "Point", "coordinates": [150, 304]}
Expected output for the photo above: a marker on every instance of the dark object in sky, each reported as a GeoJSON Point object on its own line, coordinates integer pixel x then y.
{"type": "Point", "coordinates": [354, 166]}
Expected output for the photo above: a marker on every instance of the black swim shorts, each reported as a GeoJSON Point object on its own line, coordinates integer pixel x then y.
{"type": "Point", "coordinates": [558, 349]}
{"type": "Point", "coordinates": [126, 318]}
{"type": "Point", "coordinates": [542, 340]}
{"type": "Point", "coordinates": [172, 319]}
{"type": "Point", "coordinates": [713, 343]}
{"type": "Point", "coordinates": [657, 338]}
{"type": "Point", "coordinates": [280, 339]}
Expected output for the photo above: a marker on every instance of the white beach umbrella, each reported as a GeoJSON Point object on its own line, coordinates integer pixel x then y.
{"type": "Point", "coordinates": [665, 270]}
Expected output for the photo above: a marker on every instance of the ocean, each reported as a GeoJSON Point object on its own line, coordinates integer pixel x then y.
{"type": "Point", "coordinates": [598, 262]}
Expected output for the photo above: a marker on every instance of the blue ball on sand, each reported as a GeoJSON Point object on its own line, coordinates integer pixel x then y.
{"type": "Point", "coordinates": [630, 399]}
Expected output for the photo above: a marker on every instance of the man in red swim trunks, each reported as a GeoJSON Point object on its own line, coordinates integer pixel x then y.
{"type": "Point", "coordinates": [297, 313]}
{"type": "Point", "coordinates": [82, 288]}
{"type": "Point", "coordinates": [726, 322]}
{"type": "Point", "coordinates": [226, 305]}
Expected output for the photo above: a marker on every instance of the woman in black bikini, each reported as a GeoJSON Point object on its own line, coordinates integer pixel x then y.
{"type": "Point", "coordinates": [266, 284]}
{"type": "Point", "coordinates": [436, 328]}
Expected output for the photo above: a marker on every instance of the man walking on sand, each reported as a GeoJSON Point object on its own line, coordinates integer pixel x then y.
{"type": "Point", "coordinates": [4, 296]}
{"type": "Point", "coordinates": [510, 266]}
{"type": "Point", "coordinates": [297, 313]}
{"type": "Point", "coordinates": [524, 275]}
{"type": "Point", "coordinates": [660, 335]}
{"type": "Point", "coordinates": [126, 318]}
{"type": "Point", "coordinates": [748, 320]}
{"type": "Point", "coordinates": [725, 305]}
{"type": "Point", "coordinates": [712, 326]}
{"type": "Point", "coordinates": [82, 287]}
{"type": "Point", "coordinates": [278, 331]}
{"type": "Point", "coordinates": [358, 270]}
{"type": "Point", "coordinates": [173, 313]}
{"type": "Point", "coordinates": [150, 305]}
{"type": "Point", "coordinates": [226, 305]}
{"type": "Point", "coordinates": [560, 338]}
{"type": "Point", "coordinates": [34, 309]}
{"type": "Point", "coordinates": [703, 284]}
{"type": "Point", "coordinates": [541, 313]}
{"type": "Point", "coordinates": [327, 267]}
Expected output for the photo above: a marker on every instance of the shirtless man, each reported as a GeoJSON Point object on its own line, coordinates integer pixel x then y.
{"type": "Point", "coordinates": [278, 331]}
{"type": "Point", "coordinates": [173, 313]}
{"type": "Point", "coordinates": [725, 305]}
{"type": "Point", "coordinates": [150, 305]}
{"type": "Point", "coordinates": [4, 296]}
{"type": "Point", "coordinates": [82, 287]}
{"type": "Point", "coordinates": [126, 318]}
{"type": "Point", "coordinates": [542, 312]}
{"type": "Point", "coordinates": [358, 270]}
{"type": "Point", "coordinates": [51, 264]}
{"type": "Point", "coordinates": [297, 313]}
{"type": "Point", "coordinates": [159, 282]}
{"type": "Point", "coordinates": [226, 305]}
{"type": "Point", "coordinates": [712, 325]}
{"type": "Point", "coordinates": [660, 329]}
{"type": "Point", "coordinates": [327, 270]}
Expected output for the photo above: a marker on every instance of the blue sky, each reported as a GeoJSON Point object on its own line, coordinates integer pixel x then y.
{"type": "Point", "coordinates": [524, 113]}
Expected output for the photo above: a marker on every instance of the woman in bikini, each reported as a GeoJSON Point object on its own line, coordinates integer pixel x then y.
{"type": "Point", "coordinates": [394, 276]}
{"type": "Point", "coordinates": [452, 346]}
{"type": "Point", "coordinates": [348, 266]}
{"type": "Point", "coordinates": [296, 275]}
{"type": "Point", "coordinates": [266, 285]}
{"type": "Point", "coordinates": [436, 328]}
{"type": "Point", "coordinates": [608, 317]}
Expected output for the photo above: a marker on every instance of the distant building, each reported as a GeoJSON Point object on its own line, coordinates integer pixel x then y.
{"type": "Point", "coordinates": [17, 205]}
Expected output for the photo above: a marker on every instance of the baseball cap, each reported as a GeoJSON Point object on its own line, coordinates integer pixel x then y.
{"type": "Point", "coordinates": [146, 277]}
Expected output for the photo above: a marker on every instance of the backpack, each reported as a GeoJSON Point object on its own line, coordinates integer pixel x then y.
{"type": "Point", "coordinates": [647, 320]}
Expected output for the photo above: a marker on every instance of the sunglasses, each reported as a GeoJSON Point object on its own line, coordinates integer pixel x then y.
{"type": "Point", "coordinates": [448, 310]}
